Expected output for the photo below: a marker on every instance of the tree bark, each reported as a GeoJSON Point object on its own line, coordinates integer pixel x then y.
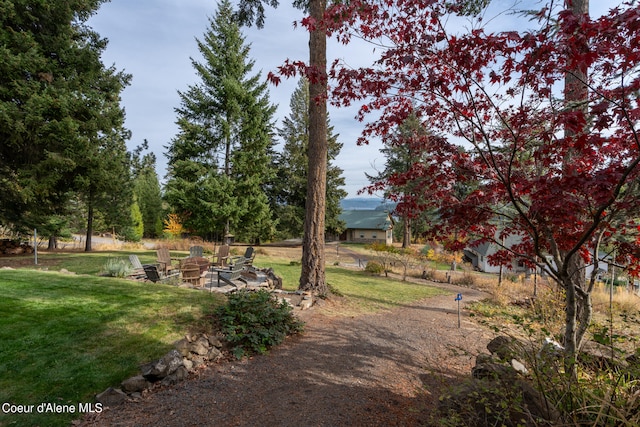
{"type": "Point", "coordinates": [578, 301]}
{"type": "Point", "coordinates": [406, 232]}
{"type": "Point", "coordinates": [312, 277]}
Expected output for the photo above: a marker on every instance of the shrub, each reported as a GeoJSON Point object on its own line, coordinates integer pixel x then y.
{"type": "Point", "coordinates": [117, 267]}
{"type": "Point", "coordinates": [374, 267]}
{"type": "Point", "coordinates": [252, 322]}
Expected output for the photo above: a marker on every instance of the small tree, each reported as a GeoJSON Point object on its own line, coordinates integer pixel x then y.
{"type": "Point", "coordinates": [563, 193]}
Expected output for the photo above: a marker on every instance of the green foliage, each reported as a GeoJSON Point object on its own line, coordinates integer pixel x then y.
{"type": "Point", "coordinates": [133, 233]}
{"type": "Point", "coordinates": [374, 267]}
{"type": "Point", "coordinates": [252, 322]}
{"type": "Point", "coordinates": [289, 189]}
{"type": "Point", "coordinates": [117, 267]}
{"type": "Point", "coordinates": [146, 190]}
{"type": "Point", "coordinates": [219, 161]}
{"type": "Point", "coordinates": [60, 107]}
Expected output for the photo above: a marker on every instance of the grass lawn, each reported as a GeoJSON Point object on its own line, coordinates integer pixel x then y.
{"type": "Point", "coordinates": [66, 337]}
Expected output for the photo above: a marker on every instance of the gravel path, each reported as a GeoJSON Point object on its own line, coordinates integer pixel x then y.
{"type": "Point", "coordinates": [385, 369]}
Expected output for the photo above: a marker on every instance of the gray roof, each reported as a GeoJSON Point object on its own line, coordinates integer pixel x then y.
{"type": "Point", "coordinates": [367, 219]}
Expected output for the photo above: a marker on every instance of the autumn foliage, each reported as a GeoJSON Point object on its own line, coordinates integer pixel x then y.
{"type": "Point", "coordinates": [512, 149]}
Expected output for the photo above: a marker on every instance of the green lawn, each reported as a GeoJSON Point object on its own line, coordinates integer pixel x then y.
{"type": "Point", "coordinates": [66, 337]}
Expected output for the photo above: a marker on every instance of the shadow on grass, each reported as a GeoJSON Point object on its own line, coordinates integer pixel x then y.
{"type": "Point", "coordinates": [67, 337]}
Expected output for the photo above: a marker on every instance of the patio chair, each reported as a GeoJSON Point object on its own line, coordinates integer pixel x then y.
{"type": "Point", "coordinates": [191, 273]}
{"type": "Point", "coordinates": [202, 262]}
{"type": "Point", "coordinates": [164, 261]}
{"type": "Point", "coordinates": [196, 251]}
{"type": "Point", "coordinates": [155, 276]}
{"type": "Point", "coordinates": [138, 269]}
{"type": "Point", "coordinates": [249, 256]}
{"type": "Point", "coordinates": [222, 257]}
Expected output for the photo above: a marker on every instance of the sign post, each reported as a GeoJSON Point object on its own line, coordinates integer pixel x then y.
{"type": "Point", "coordinates": [459, 298]}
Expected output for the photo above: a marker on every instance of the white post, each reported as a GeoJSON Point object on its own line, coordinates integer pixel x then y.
{"type": "Point", "coordinates": [35, 246]}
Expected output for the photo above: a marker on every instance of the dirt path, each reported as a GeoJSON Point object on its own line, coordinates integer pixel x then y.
{"type": "Point", "coordinates": [373, 370]}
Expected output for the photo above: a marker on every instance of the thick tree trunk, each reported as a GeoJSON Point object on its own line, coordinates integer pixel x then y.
{"type": "Point", "coordinates": [312, 277]}
{"type": "Point", "coordinates": [53, 243]}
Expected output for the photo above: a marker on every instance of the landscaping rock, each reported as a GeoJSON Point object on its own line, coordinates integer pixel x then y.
{"type": "Point", "coordinates": [183, 347]}
{"type": "Point", "coordinates": [135, 384]}
{"type": "Point", "coordinates": [111, 397]}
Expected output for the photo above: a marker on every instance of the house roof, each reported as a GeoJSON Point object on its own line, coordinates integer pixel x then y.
{"type": "Point", "coordinates": [367, 219]}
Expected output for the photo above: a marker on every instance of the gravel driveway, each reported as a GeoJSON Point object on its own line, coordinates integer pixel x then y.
{"type": "Point", "coordinates": [384, 369]}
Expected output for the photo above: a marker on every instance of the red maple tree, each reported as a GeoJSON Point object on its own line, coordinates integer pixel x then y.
{"type": "Point", "coordinates": [559, 172]}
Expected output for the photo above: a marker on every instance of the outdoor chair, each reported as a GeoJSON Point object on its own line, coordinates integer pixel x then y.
{"type": "Point", "coordinates": [164, 261]}
{"type": "Point", "coordinates": [196, 251]}
{"type": "Point", "coordinates": [138, 268]}
{"type": "Point", "coordinates": [222, 257]}
{"type": "Point", "coordinates": [249, 256]}
{"type": "Point", "coordinates": [155, 276]}
{"type": "Point", "coordinates": [191, 273]}
{"type": "Point", "coordinates": [202, 262]}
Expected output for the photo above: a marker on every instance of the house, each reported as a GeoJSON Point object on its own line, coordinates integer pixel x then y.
{"type": "Point", "coordinates": [367, 226]}
{"type": "Point", "coordinates": [478, 256]}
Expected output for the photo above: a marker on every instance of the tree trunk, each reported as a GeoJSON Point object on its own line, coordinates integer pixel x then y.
{"type": "Point", "coordinates": [312, 277]}
{"type": "Point", "coordinates": [578, 301]}
{"type": "Point", "coordinates": [53, 243]}
{"type": "Point", "coordinates": [406, 232]}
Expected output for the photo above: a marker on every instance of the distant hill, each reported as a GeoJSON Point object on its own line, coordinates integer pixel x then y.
{"type": "Point", "coordinates": [365, 203]}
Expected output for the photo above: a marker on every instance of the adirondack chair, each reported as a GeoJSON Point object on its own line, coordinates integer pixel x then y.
{"type": "Point", "coordinates": [138, 268]}
{"type": "Point", "coordinates": [222, 257]}
{"type": "Point", "coordinates": [229, 274]}
{"type": "Point", "coordinates": [154, 275]}
{"type": "Point", "coordinates": [196, 251]}
{"type": "Point", "coordinates": [249, 256]}
{"type": "Point", "coordinates": [164, 261]}
{"type": "Point", "coordinates": [191, 273]}
{"type": "Point", "coordinates": [202, 262]}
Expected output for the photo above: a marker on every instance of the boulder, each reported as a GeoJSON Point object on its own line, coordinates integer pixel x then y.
{"type": "Point", "coordinates": [135, 384]}
{"type": "Point", "coordinates": [158, 370]}
{"type": "Point", "coordinates": [111, 397]}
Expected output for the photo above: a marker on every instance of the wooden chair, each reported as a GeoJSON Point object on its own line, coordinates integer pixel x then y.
{"type": "Point", "coordinates": [196, 251]}
{"type": "Point", "coordinates": [222, 257]}
{"type": "Point", "coordinates": [138, 268]}
{"type": "Point", "coordinates": [249, 256]}
{"type": "Point", "coordinates": [190, 272]}
{"type": "Point", "coordinates": [164, 261]}
{"type": "Point", "coordinates": [154, 275]}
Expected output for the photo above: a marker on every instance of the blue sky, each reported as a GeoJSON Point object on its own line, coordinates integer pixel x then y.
{"type": "Point", "coordinates": [154, 39]}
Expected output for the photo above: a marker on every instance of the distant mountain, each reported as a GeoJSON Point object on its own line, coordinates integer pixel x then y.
{"type": "Point", "coordinates": [365, 203]}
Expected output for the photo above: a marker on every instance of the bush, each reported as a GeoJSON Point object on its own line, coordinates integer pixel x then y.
{"type": "Point", "coordinates": [117, 267]}
{"type": "Point", "coordinates": [252, 322]}
{"type": "Point", "coordinates": [374, 267]}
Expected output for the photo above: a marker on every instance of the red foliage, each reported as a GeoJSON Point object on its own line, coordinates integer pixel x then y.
{"type": "Point", "coordinates": [563, 177]}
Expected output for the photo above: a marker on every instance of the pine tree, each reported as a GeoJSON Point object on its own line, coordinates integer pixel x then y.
{"type": "Point", "coordinates": [57, 98]}
{"type": "Point", "coordinates": [289, 190]}
{"type": "Point", "coordinates": [219, 160]}
{"type": "Point", "coordinates": [147, 191]}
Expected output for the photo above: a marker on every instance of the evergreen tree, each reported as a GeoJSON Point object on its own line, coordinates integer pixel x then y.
{"type": "Point", "coordinates": [289, 191]}
{"type": "Point", "coordinates": [219, 160]}
{"type": "Point", "coordinates": [147, 191]}
{"type": "Point", "coordinates": [54, 93]}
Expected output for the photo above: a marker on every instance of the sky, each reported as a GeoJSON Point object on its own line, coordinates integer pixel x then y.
{"type": "Point", "coordinates": [153, 40]}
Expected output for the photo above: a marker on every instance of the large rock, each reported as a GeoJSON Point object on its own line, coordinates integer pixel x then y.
{"type": "Point", "coordinates": [111, 397]}
{"type": "Point", "coordinates": [156, 371]}
{"type": "Point", "coordinates": [135, 384]}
